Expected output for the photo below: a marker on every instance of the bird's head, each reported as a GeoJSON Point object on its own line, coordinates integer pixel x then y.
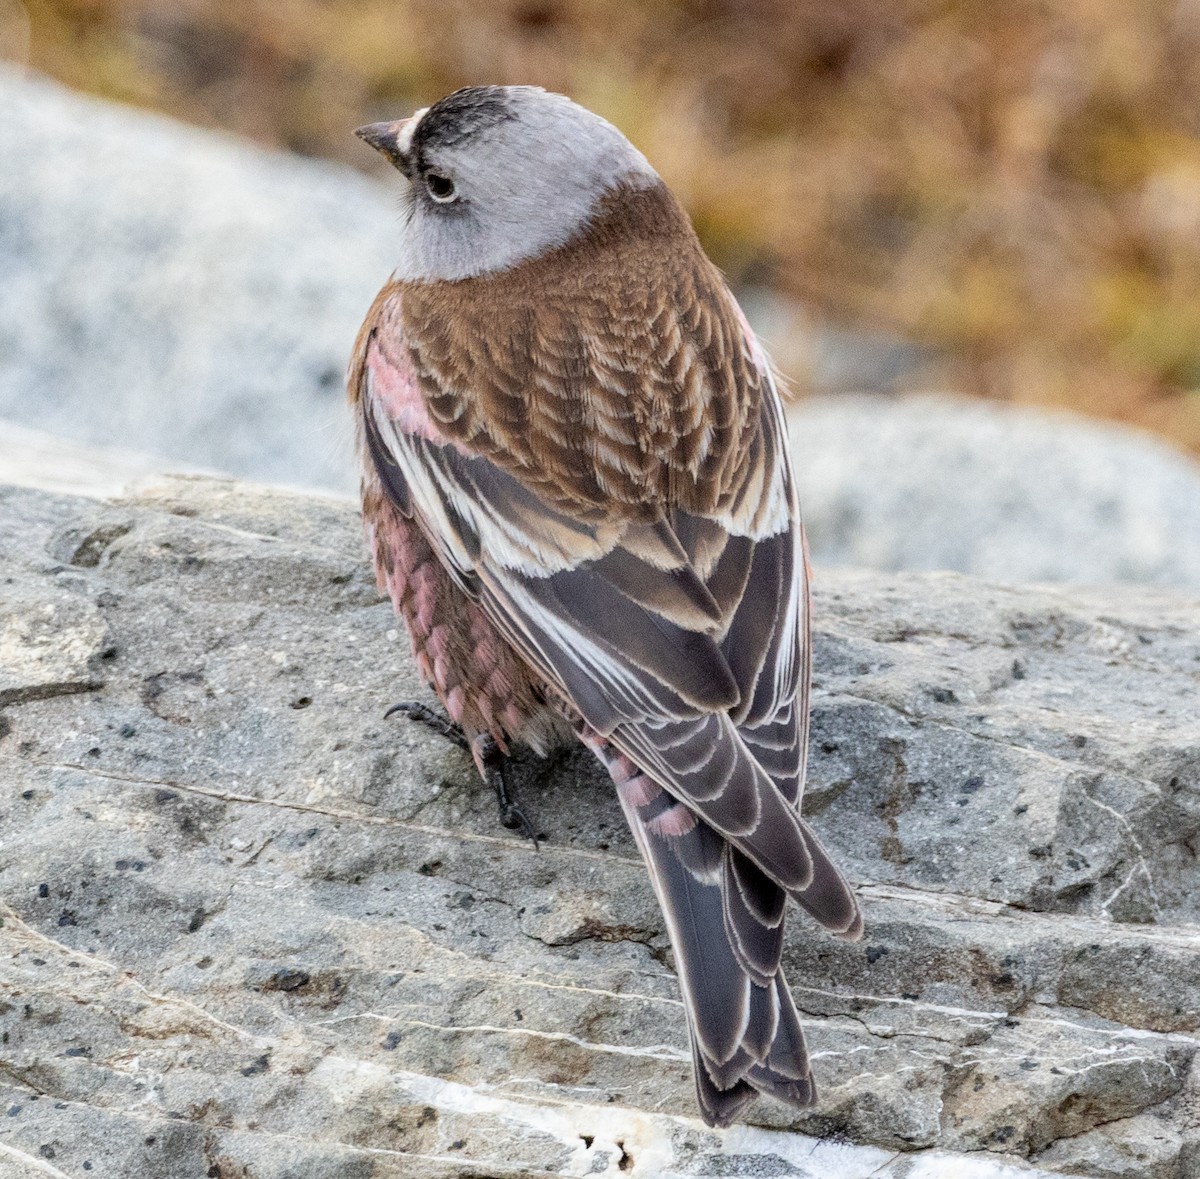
{"type": "Point", "coordinates": [500, 174]}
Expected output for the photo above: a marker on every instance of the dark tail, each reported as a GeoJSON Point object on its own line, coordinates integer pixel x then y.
{"type": "Point", "coordinates": [725, 918]}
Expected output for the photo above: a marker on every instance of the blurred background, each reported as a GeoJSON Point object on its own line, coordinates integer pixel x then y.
{"type": "Point", "coordinates": [999, 200]}
{"type": "Point", "coordinates": [1012, 188]}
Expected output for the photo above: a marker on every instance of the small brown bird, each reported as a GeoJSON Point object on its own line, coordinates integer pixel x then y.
{"type": "Point", "coordinates": [578, 493]}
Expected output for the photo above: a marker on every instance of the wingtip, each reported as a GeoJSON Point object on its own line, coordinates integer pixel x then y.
{"type": "Point", "coordinates": [854, 931]}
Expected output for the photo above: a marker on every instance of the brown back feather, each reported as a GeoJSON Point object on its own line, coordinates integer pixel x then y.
{"type": "Point", "coordinates": [612, 375]}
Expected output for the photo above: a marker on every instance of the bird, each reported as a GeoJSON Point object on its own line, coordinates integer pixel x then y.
{"type": "Point", "coordinates": [577, 491]}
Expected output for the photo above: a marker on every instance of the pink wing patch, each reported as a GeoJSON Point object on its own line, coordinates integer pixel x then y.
{"type": "Point", "coordinates": [394, 383]}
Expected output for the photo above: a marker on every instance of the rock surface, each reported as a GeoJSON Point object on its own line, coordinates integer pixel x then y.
{"type": "Point", "coordinates": [1009, 494]}
{"type": "Point", "coordinates": [36, 458]}
{"type": "Point", "coordinates": [252, 930]}
{"type": "Point", "coordinates": [177, 291]}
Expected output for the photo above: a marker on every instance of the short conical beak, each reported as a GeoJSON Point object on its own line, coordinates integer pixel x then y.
{"type": "Point", "coordinates": [386, 138]}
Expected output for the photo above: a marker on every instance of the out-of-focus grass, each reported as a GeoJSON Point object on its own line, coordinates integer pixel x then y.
{"type": "Point", "coordinates": [1015, 185]}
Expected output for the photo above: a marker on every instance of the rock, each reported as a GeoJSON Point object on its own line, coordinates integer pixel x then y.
{"type": "Point", "coordinates": [1134, 1148]}
{"type": "Point", "coordinates": [35, 458]}
{"type": "Point", "coordinates": [51, 644]}
{"type": "Point", "coordinates": [249, 925]}
{"type": "Point", "coordinates": [1009, 494]}
{"type": "Point", "coordinates": [180, 292]}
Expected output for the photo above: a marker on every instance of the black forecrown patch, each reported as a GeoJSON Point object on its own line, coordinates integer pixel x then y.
{"type": "Point", "coordinates": [460, 115]}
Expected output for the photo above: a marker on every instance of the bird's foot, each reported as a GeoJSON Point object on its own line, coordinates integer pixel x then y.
{"type": "Point", "coordinates": [489, 757]}
{"type": "Point", "coordinates": [493, 762]}
{"type": "Point", "coordinates": [431, 719]}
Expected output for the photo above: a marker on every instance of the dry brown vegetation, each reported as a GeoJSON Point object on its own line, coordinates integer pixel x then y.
{"type": "Point", "coordinates": [1015, 185]}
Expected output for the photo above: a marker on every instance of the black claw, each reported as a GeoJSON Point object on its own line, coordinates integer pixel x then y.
{"type": "Point", "coordinates": [512, 817]}
{"type": "Point", "coordinates": [495, 768]}
{"type": "Point", "coordinates": [431, 719]}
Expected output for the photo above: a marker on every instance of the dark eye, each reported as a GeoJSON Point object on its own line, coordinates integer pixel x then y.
{"type": "Point", "coordinates": [441, 188]}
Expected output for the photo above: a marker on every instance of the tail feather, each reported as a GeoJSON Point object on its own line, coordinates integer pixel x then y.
{"type": "Point", "coordinates": [756, 941]}
{"type": "Point", "coordinates": [725, 918]}
{"type": "Point", "coordinates": [746, 1036]}
{"type": "Point", "coordinates": [719, 1107]}
{"type": "Point", "coordinates": [717, 991]}
{"type": "Point", "coordinates": [763, 1024]}
{"type": "Point", "coordinates": [785, 1074]}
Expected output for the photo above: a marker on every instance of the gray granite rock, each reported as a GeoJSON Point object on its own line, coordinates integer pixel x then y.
{"type": "Point", "coordinates": [50, 643]}
{"type": "Point", "coordinates": [1009, 494]}
{"type": "Point", "coordinates": [252, 929]}
{"type": "Point", "coordinates": [177, 291]}
{"type": "Point", "coordinates": [37, 458]}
